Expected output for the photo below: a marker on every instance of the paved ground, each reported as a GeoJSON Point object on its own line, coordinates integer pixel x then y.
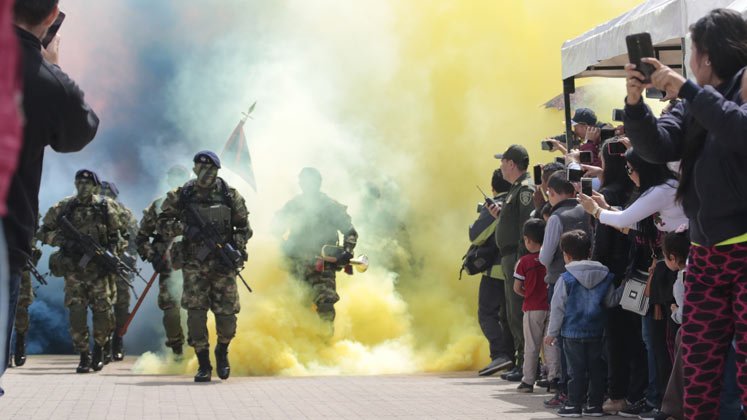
{"type": "Point", "coordinates": [47, 388]}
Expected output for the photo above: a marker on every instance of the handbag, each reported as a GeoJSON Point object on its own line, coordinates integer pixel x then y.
{"type": "Point", "coordinates": [634, 298]}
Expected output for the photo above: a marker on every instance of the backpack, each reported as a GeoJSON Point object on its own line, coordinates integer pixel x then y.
{"type": "Point", "coordinates": [479, 259]}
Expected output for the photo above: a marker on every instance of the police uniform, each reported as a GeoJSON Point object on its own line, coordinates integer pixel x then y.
{"type": "Point", "coordinates": [313, 221]}
{"type": "Point", "coordinates": [516, 210]}
{"type": "Point", "coordinates": [151, 246]}
{"type": "Point", "coordinates": [209, 284]}
{"type": "Point", "coordinates": [87, 286]}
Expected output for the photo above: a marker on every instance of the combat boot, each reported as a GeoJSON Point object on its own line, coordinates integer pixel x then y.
{"type": "Point", "coordinates": [98, 358]}
{"type": "Point", "coordinates": [20, 355]}
{"type": "Point", "coordinates": [117, 348]}
{"type": "Point", "coordinates": [85, 362]}
{"type": "Point", "coordinates": [205, 370]}
{"type": "Point", "coordinates": [178, 352]}
{"type": "Point", "coordinates": [221, 359]}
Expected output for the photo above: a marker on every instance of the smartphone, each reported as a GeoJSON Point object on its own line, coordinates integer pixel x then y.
{"type": "Point", "coordinates": [574, 175]}
{"type": "Point", "coordinates": [586, 186]}
{"type": "Point", "coordinates": [546, 145]}
{"type": "Point", "coordinates": [560, 160]}
{"type": "Point", "coordinates": [616, 148]}
{"type": "Point", "coordinates": [640, 46]}
{"type": "Point", "coordinates": [653, 93]}
{"type": "Point", "coordinates": [488, 200]}
{"type": "Point", "coordinates": [52, 31]}
{"type": "Point", "coordinates": [537, 174]}
{"type": "Point", "coordinates": [606, 133]}
{"type": "Point", "coordinates": [585, 157]}
{"type": "Point", "coordinates": [618, 115]}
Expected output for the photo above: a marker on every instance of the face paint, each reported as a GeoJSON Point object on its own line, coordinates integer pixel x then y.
{"type": "Point", "coordinates": [206, 175]}
{"type": "Point", "coordinates": [86, 189]}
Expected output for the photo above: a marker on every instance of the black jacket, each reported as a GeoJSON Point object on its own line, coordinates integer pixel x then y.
{"type": "Point", "coordinates": [715, 200]}
{"type": "Point", "coordinates": [55, 115]}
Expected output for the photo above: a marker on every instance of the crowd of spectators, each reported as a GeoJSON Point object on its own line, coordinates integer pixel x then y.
{"type": "Point", "coordinates": [632, 262]}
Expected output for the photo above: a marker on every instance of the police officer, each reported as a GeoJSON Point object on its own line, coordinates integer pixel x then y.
{"type": "Point", "coordinates": [491, 301]}
{"type": "Point", "coordinates": [153, 248]}
{"type": "Point", "coordinates": [121, 286]}
{"type": "Point", "coordinates": [87, 284]}
{"type": "Point", "coordinates": [312, 220]}
{"type": "Point", "coordinates": [25, 299]}
{"type": "Point", "coordinates": [209, 281]}
{"type": "Point", "coordinates": [511, 217]}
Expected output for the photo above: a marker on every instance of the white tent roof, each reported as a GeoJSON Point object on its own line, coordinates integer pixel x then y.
{"type": "Point", "coordinates": [602, 52]}
{"type": "Point", "coordinates": [740, 6]}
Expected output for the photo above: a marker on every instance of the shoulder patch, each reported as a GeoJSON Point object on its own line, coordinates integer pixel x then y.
{"type": "Point", "coordinates": [525, 197]}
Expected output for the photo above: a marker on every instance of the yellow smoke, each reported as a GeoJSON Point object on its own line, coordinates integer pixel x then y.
{"type": "Point", "coordinates": [463, 80]}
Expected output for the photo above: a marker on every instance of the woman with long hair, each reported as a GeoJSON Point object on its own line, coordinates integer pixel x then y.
{"type": "Point", "coordinates": [707, 131]}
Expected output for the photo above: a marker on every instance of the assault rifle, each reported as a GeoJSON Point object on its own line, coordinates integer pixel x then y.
{"type": "Point", "coordinates": [213, 243]}
{"type": "Point", "coordinates": [92, 250]}
{"type": "Point", "coordinates": [41, 278]}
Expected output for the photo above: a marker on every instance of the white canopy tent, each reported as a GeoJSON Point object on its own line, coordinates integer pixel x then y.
{"type": "Point", "coordinates": [601, 52]}
{"type": "Point", "coordinates": [740, 6]}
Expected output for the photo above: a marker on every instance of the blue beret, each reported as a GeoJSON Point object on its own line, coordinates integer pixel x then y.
{"type": "Point", "coordinates": [111, 187]}
{"type": "Point", "coordinates": [206, 156]}
{"type": "Point", "coordinates": [89, 175]}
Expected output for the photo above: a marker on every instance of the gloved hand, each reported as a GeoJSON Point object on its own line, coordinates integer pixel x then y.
{"type": "Point", "coordinates": [344, 258]}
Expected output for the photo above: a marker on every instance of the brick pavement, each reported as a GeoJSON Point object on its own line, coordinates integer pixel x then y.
{"type": "Point", "coordinates": [47, 388]}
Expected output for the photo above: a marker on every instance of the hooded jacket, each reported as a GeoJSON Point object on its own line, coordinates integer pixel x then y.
{"type": "Point", "coordinates": [580, 301]}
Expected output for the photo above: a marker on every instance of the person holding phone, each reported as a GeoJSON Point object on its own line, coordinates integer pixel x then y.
{"type": "Point", "coordinates": [707, 132]}
{"type": "Point", "coordinates": [56, 115]}
{"type": "Point", "coordinates": [587, 128]}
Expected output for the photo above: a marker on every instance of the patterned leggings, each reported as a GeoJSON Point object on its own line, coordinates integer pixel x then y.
{"type": "Point", "coordinates": [715, 310]}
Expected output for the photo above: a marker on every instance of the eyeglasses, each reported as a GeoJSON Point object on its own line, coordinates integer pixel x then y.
{"type": "Point", "coordinates": [629, 170]}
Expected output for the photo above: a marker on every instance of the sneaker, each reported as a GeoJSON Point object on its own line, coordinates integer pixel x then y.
{"type": "Point", "coordinates": [636, 409]}
{"type": "Point", "coordinates": [525, 388]}
{"type": "Point", "coordinates": [557, 401]}
{"type": "Point", "coordinates": [614, 406]}
{"type": "Point", "coordinates": [653, 415]}
{"type": "Point", "coordinates": [516, 376]}
{"type": "Point", "coordinates": [498, 364]}
{"type": "Point", "coordinates": [569, 411]}
{"type": "Point", "coordinates": [593, 411]}
{"type": "Point", "coordinates": [543, 383]}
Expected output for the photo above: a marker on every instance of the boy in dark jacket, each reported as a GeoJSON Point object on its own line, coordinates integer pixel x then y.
{"type": "Point", "coordinates": [578, 313]}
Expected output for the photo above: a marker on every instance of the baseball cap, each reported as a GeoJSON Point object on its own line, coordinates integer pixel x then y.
{"type": "Point", "coordinates": [584, 116]}
{"type": "Point", "coordinates": [516, 153]}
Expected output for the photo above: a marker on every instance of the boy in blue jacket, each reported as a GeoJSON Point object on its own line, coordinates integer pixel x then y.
{"type": "Point", "coordinates": [578, 313]}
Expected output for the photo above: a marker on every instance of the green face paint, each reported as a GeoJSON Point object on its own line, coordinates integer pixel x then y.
{"type": "Point", "coordinates": [206, 175]}
{"type": "Point", "coordinates": [86, 189]}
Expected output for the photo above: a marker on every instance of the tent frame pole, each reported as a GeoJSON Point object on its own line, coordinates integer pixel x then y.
{"type": "Point", "coordinates": [569, 86]}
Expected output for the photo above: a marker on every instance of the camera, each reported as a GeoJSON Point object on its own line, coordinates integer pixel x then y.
{"type": "Point", "coordinates": [616, 148]}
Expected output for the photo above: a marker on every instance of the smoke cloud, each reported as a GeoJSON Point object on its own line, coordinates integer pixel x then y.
{"type": "Point", "coordinates": [400, 105]}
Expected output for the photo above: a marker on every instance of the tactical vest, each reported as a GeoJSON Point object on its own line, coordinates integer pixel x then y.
{"type": "Point", "coordinates": [90, 219]}
{"type": "Point", "coordinates": [215, 208]}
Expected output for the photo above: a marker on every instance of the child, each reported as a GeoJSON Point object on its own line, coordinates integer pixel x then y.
{"type": "Point", "coordinates": [578, 313]}
{"type": "Point", "coordinates": [529, 282]}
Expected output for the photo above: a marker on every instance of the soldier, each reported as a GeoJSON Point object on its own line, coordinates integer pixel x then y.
{"type": "Point", "coordinates": [87, 282]}
{"type": "Point", "coordinates": [151, 246]}
{"type": "Point", "coordinates": [312, 220]}
{"type": "Point", "coordinates": [508, 236]}
{"type": "Point", "coordinates": [121, 286]}
{"type": "Point", "coordinates": [207, 210]}
{"type": "Point", "coordinates": [25, 299]}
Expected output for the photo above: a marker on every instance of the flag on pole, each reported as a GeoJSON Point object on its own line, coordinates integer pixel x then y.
{"type": "Point", "coordinates": [235, 154]}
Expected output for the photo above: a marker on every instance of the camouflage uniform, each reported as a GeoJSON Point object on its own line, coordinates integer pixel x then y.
{"type": "Point", "coordinates": [121, 287]}
{"type": "Point", "coordinates": [314, 221]}
{"type": "Point", "coordinates": [26, 295]}
{"type": "Point", "coordinates": [208, 284]}
{"type": "Point", "coordinates": [152, 251]}
{"type": "Point", "coordinates": [88, 286]}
